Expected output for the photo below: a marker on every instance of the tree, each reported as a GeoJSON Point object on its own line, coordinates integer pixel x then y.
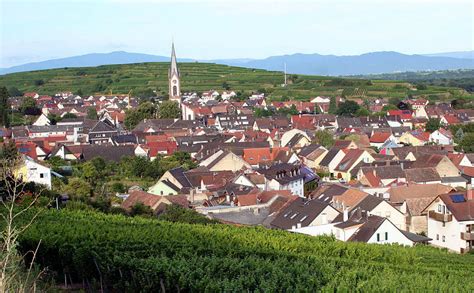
{"type": "Point", "coordinates": [459, 135]}
{"type": "Point", "coordinates": [14, 92]}
{"type": "Point", "coordinates": [288, 111]}
{"type": "Point", "coordinates": [146, 110]}
{"type": "Point", "coordinates": [433, 124]}
{"type": "Point", "coordinates": [79, 92]}
{"type": "Point", "coordinates": [39, 82]}
{"type": "Point", "coordinates": [4, 108]}
{"type": "Point", "coordinates": [332, 105]}
{"type": "Point", "coordinates": [77, 188]}
{"type": "Point", "coordinates": [324, 138]}
{"type": "Point", "coordinates": [348, 108]}
{"type": "Point", "coordinates": [262, 112]}
{"type": "Point", "coordinates": [317, 110]}
{"type": "Point", "coordinates": [169, 109]}
{"type": "Point", "coordinates": [54, 118]}
{"type": "Point", "coordinates": [8, 151]}
{"type": "Point", "coordinates": [467, 143]}
{"type": "Point", "coordinates": [225, 86]}
{"type": "Point", "coordinates": [91, 113]}
{"type": "Point", "coordinates": [15, 274]}
{"type": "Point", "coordinates": [139, 209]}
{"type": "Point", "coordinates": [178, 214]}
{"type": "Point", "coordinates": [362, 112]}
{"type": "Point", "coordinates": [27, 103]}
{"type": "Point", "coordinates": [69, 116]}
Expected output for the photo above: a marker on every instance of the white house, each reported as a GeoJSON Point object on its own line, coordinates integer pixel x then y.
{"type": "Point", "coordinates": [442, 137]}
{"type": "Point", "coordinates": [451, 221]}
{"type": "Point", "coordinates": [33, 171]}
{"type": "Point", "coordinates": [42, 120]}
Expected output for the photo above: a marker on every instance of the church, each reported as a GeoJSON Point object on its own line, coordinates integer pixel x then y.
{"type": "Point", "coordinates": [173, 78]}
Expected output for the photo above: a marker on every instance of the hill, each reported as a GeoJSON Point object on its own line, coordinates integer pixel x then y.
{"type": "Point", "coordinates": [331, 65]}
{"type": "Point", "coordinates": [145, 77]}
{"type": "Point", "coordinates": [459, 54]}
{"type": "Point", "coordinates": [134, 254]}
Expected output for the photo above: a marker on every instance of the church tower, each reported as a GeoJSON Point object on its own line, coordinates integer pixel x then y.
{"type": "Point", "coordinates": [173, 78]}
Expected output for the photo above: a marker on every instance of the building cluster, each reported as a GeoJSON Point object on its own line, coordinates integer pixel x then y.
{"type": "Point", "coordinates": [383, 180]}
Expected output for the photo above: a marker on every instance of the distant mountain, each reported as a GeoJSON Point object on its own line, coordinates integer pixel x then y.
{"type": "Point", "coordinates": [370, 63]}
{"type": "Point", "coordinates": [460, 54]}
{"type": "Point", "coordinates": [94, 59]}
{"type": "Point", "coordinates": [315, 64]}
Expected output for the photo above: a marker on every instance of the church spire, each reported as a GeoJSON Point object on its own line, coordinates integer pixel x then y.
{"type": "Point", "coordinates": [173, 78]}
{"type": "Point", "coordinates": [174, 64]}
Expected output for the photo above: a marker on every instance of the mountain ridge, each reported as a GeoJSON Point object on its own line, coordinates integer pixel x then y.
{"type": "Point", "coordinates": [297, 63]}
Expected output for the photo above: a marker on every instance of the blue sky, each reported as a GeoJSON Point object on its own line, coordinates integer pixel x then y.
{"type": "Point", "coordinates": [35, 30]}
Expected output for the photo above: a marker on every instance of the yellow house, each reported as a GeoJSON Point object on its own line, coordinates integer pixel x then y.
{"type": "Point", "coordinates": [415, 138]}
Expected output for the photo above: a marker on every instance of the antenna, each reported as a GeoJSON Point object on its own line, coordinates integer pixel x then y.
{"type": "Point", "coordinates": [285, 72]}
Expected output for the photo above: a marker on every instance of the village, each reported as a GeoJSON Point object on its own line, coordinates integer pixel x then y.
{"type": "Point", "coordinates": [300, 166]}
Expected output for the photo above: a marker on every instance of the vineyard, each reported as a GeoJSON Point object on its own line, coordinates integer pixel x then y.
{"type": "Point", "coordinates": [136, 254]}
{"type": "Point", "coordinates": [148, 77]}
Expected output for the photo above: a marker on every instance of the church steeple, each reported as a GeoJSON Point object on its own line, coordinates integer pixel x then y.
{"type": "Point", "coordinates": [173, 77]}
{"type": "Point", "coordinates": [174, 64]}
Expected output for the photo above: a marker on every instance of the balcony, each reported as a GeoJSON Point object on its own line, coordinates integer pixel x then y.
{"type": "Point", "coordinates": [440, 217]}
{"type": "Point", "coordinates": [467, 236]}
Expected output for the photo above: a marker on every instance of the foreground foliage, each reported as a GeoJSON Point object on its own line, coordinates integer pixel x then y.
{"type": "Point", "coordinates": [137, 254]}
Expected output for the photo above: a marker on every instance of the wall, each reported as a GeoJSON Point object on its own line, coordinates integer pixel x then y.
{"type": "Point", "coordinates": [394, 235]}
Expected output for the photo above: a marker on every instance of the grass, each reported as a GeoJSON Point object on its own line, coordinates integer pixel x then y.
{"type": "Point", "coordinates": [140, 77]}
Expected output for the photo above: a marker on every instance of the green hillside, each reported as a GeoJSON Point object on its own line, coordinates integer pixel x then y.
{"type": "Point", "coordinates": [131, 254]}
{"type": "Point", "coordinates": [143, 77]}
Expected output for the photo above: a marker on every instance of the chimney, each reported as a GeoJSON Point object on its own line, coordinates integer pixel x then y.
{"type": "Point", "coordinates": [345, 215]}
{"type": "Point", "coordinates": [402, 166]}
{"type": "Point", "coordinates": [469, 192]}
{"type": "Point", "coordinates": [298, 225]}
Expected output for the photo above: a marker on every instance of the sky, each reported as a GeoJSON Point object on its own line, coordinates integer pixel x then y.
{"type": "Point", "coordinates": [36, 30]}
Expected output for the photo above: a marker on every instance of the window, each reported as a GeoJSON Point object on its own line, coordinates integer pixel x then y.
{"type": "Point", "coordinates": [378, 237]}
{"type": "Point", "coordinates": [41, 175]}
{"type": "Point", "coordinates": [439, 208]}
{"type": "Point", "coordinates": [437, 236]}
{"type": "Point", "coordinates": [444, 238]}
{"type": "Point", "coordinates": [386, 235]}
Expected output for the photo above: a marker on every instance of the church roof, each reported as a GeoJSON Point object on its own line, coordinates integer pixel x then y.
{"type": "Point", "coordinates": [174, 64]}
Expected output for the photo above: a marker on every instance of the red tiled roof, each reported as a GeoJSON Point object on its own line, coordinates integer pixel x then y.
{"type": "Point", "coordinates": [379, 137]}
{"type": "Point", "coordinates": [404, 114]}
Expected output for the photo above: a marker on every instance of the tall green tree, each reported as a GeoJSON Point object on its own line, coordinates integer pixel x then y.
{"type": "Point", "coordinates": [169, 109]}
{"type": "Point", "coordinates": [348, 108]}
{"type": "Point", "coordinates": [92, 113]}
{"type": "Point", "coordinates": [433, 124]}
{"type": "Point", "coordinates": [4, 108]}
{"type": "Point", "coordinates": [324, 138]}
{"type": "Point", "coordinates": [332, 105]}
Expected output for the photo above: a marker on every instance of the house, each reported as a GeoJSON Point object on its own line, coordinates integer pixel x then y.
{"type": "Point", "coordinates": [102, 132]}
{"type": "Point", "coordinates": [415, 138]}
{"type": "Point", "coordinates": [284, 176]}
{"type": "Point", "coordinates": [427, 175]}
{"type": "Point", "coordinates": [451, 221]}
{"type": "Point", "coordinates": [349, 162]}
{"type": "Point", "coordinates": [224, 160]}
{"type": "Point", "coordinates": [312, 155]}
{"type": "Point", "coordinates": [295, 138]}
{"type": "Point", "coordinates": [385, 175]}
{"type": "Point", "coordinates": [380, 138]}
{"type": "Point", "coordinates": [164, 187]}
{"type": "Point", "coordinates": [460, 160]}
{"type": "Point", "coordinates": [449, 119]}
{"type": "Point", "coordinates": [441, 136]}
{"type": "Point", "coordinates": [107, 152]}
{"type": "Point", "coordinates": [42, 120]}
{"type": "Point", "coordinates": [155, 202]}
{"type": "Point", "coordinates": [32, 171]}
{"type": "Point", "coordinates": [363, 227]}
{"type": "Point", "coordinates": [413, 199]}
{"type": "Point", "coordinates": [303, 212]}
{"type": "Point", "coordinates": [257, 156]}
{"type": "Point", "coordinates": [443, 165]}
{"type": "Point", "coordinates": [235, 122]}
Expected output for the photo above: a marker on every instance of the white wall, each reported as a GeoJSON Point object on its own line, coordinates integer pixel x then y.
{"type": "Point", "coordinates": [393, 235]}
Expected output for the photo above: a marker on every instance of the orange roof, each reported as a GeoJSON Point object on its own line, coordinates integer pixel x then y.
{"type": "Point", "coordinates": [380, 137]}
{"type": "Point", "coordinates": [456, 158]}
{"type": "Point", "coordinates": [350, 198]}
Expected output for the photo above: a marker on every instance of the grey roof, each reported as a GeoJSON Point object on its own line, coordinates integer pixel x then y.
{"type": "Point", "coordinates": [454, 179]}
{"type": "Point", "coordinates": [108, 153]}
{"type": "Point", "coordinates": [300, 211]}
{"type": "Point", "coordinates": [369, 227]}
{"type": "Point", "coordinates": [124, 138]}
{"type": "Point", "coordinates": [385, 172]}
{"type": "Point", "coordinates": [329, 157]}
{"type": "Point", "coordinates": [174, 64]}
{"type": "Point", "coordinates": [416, 237]}
{"type": "Point", "coordinates": [308, 149]}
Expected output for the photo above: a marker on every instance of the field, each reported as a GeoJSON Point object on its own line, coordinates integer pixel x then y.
{"type": "Point", "coordinates": [141, 78]}
{"type": "Point", "coordinates": [137, 254]}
